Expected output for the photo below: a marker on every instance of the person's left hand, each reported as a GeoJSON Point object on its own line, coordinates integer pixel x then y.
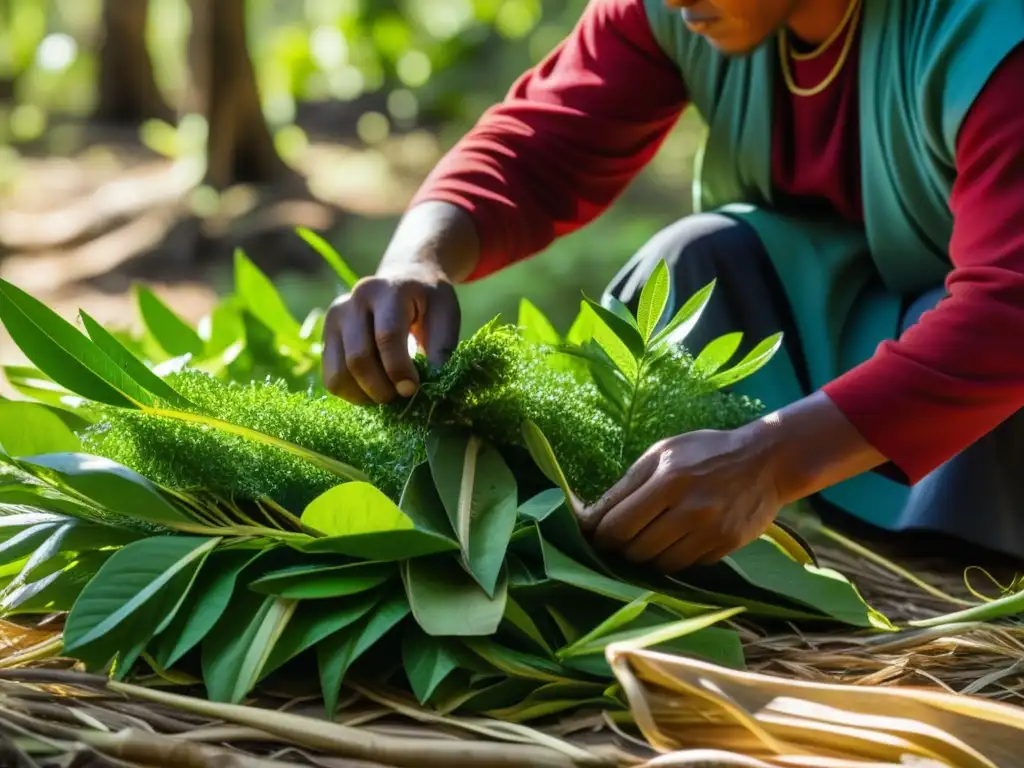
{"type": "Point", "coordinates": [690, 500]}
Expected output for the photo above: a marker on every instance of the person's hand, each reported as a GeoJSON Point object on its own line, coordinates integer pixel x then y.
{"type": "Point", "coordinates": [366, 333]}
{"type": "Point", "coordinates": [689, 500]}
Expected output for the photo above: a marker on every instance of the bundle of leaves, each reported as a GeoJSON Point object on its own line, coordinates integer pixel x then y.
{"type": "Point", "coordinates": [236, 532]}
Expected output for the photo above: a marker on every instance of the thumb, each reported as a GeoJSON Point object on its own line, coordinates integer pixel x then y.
{"type": "Point", "coordinates": [437, 330]}
{"type": "Point", "coordinates": [635, 476]}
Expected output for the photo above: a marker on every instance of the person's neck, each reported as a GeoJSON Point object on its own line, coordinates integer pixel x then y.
{"type": "Point", "coordinates": [814, 21]}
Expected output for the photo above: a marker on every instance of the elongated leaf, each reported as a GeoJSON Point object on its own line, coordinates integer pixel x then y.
{"type": "Point", "coordinates": [544, 457]}
{"type": "Point", "coordinates": [314, 622]}
{"type": "Point", "coordinates": [56, 590]}
{"type": "Point", "coordinates": [27, 429]}
{"type": "Point", "coordinates": [610, 625]}
{"type": "Point", "coordinates": [262, 299]}
{"type": "Point", "coordinates": [479, 494]}
{"type": "Point", "coordinates": [44, 499]}
{"type": "Point", "coordinates": [174, 335]}
{"type": "Point", "coordinates": [685, 320]}
{"type": "Point", "coordinates": [222, 329]}
{"type": "Point", "coordinates": [582, 328]}
{"type": "Point", "coordinates": [422, 503]}
{"type": "Point", "coordinates": [717, 353]}
{"type": "Point", "coordinates": [535, 326]}
{"type": "Point", "coordinates": [37, 386]}
{"type": "Point", "coordinates": [427, 661]}
{"type": "Point", "coordinates": [236, 651]}
{"type": "Point", "coordinates": [214, 587]}
{"type": "Point", "coordinates": [653, 300]}
{"type": "Point", "coordinates": [21, 540]}
{"type": "Point", "coordinates": [624, 330]}
{"type": "Point", "coordinates": [620, 309]}
{"type": "Point", "coordinates": [109, 485]}
{"type": "Point", "coordinates": [757, 358]}
{"type": "Point", "coordinates": [134, 591]}
{"type": "Point", "coordinates": [330, 255]}
{"type": "Point", "coordinates": [521, 620]}
{"type": "Point", "coordinates": [541, 506]}
{"type": "Point", "coordinates": [63, 354]}
{"type": "Point", "coordinates": [337, 653]}
{"type": "Point", "coordinates": [435, 584]}
{"type": "Point", "coordinates": [304, 582]}
{"type": "Point", "coordinates": [619, 352]}
{"type": "Point", "coordinates": [360, 521]}
{"type": "Point", "coordinates": [516, 663]}
{"type": "Point", "coordinates": [564, 569]}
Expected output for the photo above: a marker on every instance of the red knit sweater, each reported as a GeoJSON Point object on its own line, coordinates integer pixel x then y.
{"type": "Point", "coordinates": [576, 129]}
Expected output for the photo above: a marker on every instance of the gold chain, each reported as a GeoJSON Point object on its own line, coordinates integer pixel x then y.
{"type": "Point", "coordinates": [784, 55]}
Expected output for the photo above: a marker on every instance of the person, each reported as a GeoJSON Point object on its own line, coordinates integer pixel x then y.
{"type": "Point", "coordinates": [861, 189]}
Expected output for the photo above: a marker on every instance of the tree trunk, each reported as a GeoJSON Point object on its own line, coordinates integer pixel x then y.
{"type": "Point", "coordinates": [239, 148]}
{"type": "Point", "coordinates": [128, 93]}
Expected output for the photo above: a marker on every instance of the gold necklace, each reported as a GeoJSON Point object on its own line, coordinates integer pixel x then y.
{"type": "Point", "coordinates": [784, 55]}
{"type": "Point", "coordinates": [851, 8]}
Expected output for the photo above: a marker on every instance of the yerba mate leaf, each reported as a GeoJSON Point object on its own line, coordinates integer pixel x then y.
{"type": "Point", "coordinates": [623, 356]}
{"type": "Point", "coordinates": [756, 359]}
{"type": "Point", "coordinates": [685, 320]}
{"type": "Point", "coordinates": [535, 326]}
{"type": "Point", "coordinates": [479, 494]}
{"type": "Point", "coordinates": [27, 429]}
{"type": "Point", "coordinates": [262, 299]}
{"type": "Point", "coordinates": [446, 601]}
{"type": "Point", "coordinates": [717, 353]}
{"type": "Point", "coordinates": [653, 300]}
{"type": "Point", "coordinates": [329, 254]}
{"type": "Point", "coordinates": [427, 662]}
{"type": "Point", "coordinates": [517, 617]}
{"type": "Point", "coordinates": [38, 387]}
{"type": "Point", "coordinates": [544, 457]}
{"type": "Point", "coordinates": [167, 329]}
{"type": "Point", "coordinates": [312, 582]}
{"type": "Point", "coordinates": [625, 330]}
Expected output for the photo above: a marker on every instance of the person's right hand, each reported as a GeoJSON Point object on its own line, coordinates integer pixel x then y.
{"type": "Point", "coordinates": [366, 333]}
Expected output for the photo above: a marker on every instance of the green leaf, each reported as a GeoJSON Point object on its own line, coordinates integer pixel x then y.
{"type": "Point", "coordinates": [139, 587]}
{"type": "Point", "coordinates": [479, 494]}
{"type": "Point", "coordinates": [535, 326]}
{"type": "Point", "coordinates": [109, 485]}
{"type": "Point", "coordinates": [619, 352]}
{"type": "Point", "coordinates": [330, 255]}
{"type": "Point", "coordinates": [223, 330]}
{"type": "Point", "coordinates": [236, 651]}
{"type": "Point", "coordinates": [613, 304]}
{"type": "Point", "coordinates": [582, 328]}
{"type": "Point", "coordinates": [685, 320]}
{"type": "Point", "coordinates": [516, 663]}
{"type": "Point", "coordinates": [174, 335]}
{"type": "Point", "coordinates": [624, 330]}
{"type": "Point", "coordinates": [132, 367]}
{"type": "Point", "coordinates": [521, 620]}
{"type": "Point", "coordinates": [262, 299]}
{"type": "Point", "coordinates": [360, 521]}
{"type": "Point", "coordinates": [313, 622]}
{"type": "Point", "coordinates": [55, 591]}
{"type": "Point", "coordinates": [653, 300]}
{"type": "Point", "coordinates": [427, 662]}
{"type": "Point", "coordinates": [63, 354]}
{"type": "Point", "coordinates": [214, 587]}
{"type": "Point", "coordinates": [421, 501]}
{"type": "Point", "coordinates": [446, 601]}
{"type": "Point", "coordinates": [541, 506]}
{"type": "Point", "coordinates": [44, 498]}
{"type": "Point", "coordinates": [756, 359]}
{"type": "Point", "coordinates": [544, 457]}
{"type": "Point", "coordinates": [613, 623]}
{"type": "Point", "coordinates": [668, 632]}
{"type": "Point", "coordinates": [717, 353]}
{"type": "Point", "coordinates": [336, 653]}
{"type": "Point", "coordinates": [22, 536]}
{"type": "Point", "coordinates": [564, 569]}
{"type": "Point", "coordinates": [27, 429]}
{"type": "Point", "coordinates": [37, 386]}
{"type": "Point", "coordinates": [313, 582]}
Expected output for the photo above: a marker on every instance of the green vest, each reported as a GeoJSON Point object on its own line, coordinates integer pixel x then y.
{"type": "Point", "coordinates": [921, 65]}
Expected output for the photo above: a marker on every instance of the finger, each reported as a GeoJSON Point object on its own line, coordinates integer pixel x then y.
{"type": "Point", "coordinates": [638, 474]}
{"type": "Point", "coordinates": [336, 377]}
{"type": "Point", "coordinates": [714, 556]}
{"type": "Point", "coordinates": [686, 551]}
{"type": "Point", "coordinates": [662, 533]}
{"type": "Point", "coordinates": [438, 324]}
{"type": "Point", "coordinates": [362, 360]}
{"type": "Point", "coordinates": [392, 322]}
{"type": "Point", "coordinates": [634, 513]}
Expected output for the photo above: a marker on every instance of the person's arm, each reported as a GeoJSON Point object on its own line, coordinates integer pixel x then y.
{"type": "Point", "coordinates": [567, 139]}
{"type": "Point", "coordinates": [959, 372]}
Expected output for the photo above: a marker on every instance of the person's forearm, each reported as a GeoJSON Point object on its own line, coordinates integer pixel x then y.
{"type": "Point", "coordinates": [810, 445]}
{"type": "Point", "coordinates": [436, 235]}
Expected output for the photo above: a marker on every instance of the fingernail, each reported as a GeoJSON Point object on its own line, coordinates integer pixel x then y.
{"type": "Point", "coordinates": [406, 388]}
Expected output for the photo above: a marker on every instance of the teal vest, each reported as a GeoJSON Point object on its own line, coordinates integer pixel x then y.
{"type": "Point", "coordinates": [921, 65]}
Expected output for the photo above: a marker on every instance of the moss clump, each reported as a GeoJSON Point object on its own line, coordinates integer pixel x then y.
{"type": "Point", "coordinates": [493, 382]}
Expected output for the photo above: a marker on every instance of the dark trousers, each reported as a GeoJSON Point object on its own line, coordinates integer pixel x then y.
{"type": "Point", "coordinates": [977, 496]}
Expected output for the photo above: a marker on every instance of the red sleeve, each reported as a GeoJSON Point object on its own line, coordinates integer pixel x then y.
{"type": "Point", "coordinates": [959, 372]}
{"type": "Point", "coordinates": [568, 138]}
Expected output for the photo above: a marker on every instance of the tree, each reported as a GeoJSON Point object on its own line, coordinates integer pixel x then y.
{"type": "Point", "coordinates": [224, 89]}
{"type": "Point", "coordinates": [128, 92]}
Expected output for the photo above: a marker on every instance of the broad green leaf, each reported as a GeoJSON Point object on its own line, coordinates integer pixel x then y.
{"type": "Point", "coordinates": [535, 326]}
{"type": "Point", "coordinates": [66, 356]}
{"type": "Point", "coordinates": [521, 620]}
{"type": "Point", "coordinates": [330, 255]}
{"type": "Point", "coordinates": [479, 494]}
{"type": "Point", "coordinates": [653, 300]}
{"type": "Point", "coordinates": [134, 591]}
{"type": "Point", "coordinates": [305, 582]}
{"type": "Point", "coordinates": [109, 485]}
{"type": "Point", "coordinates": [615, 305]}
{"type": "Point", "coordinates": [516, 663]}
{"type": "Point", "coordinates": [28, 429]}
{"type": "Point", "coordinates": [756, 359]}
{"type": "Point", "coordinates": [222, 329]}
{"type": "Point", "coordinates": [336, 653]}
{"type": "Point", "coordinates": [717, 353]}
{"type": "Point", "coordinates": [316, 621]}
{"type": "Point", "coordinates": [236, 651]}
{"type": "Point", "coordinates": [582, 328]}
{"type": "Point", "coordinates": [562, 529]}
{"type": "Point", "coordinates": [623, 357]}
{"type": "Point", "coordinates": [174, 335]}
{"type": "Point", "coordinates": [544, 457]}
{"type": "Point", "coordinates": [37, 386]}
{"type": "Point", "coordinates": [541, 506]}
{"type": "Point", "coordinates": [685, 320]}
{"type": "Point", "coordinates": [360, 521]}
{"type": "Point", "coordinates": [55, 590]}
{"type": "Point", "coordinates": [262, 299]}
{"type": "Point", "coordinates": [214, 587]}
{"type": "Point", "coordinates": [134, 368]}
{"type": "Point", "coordinates": [436, 585]}
{"type": "Point", "coordinates": [427, 661]}
{"type": "Point", "coordinates": [422, 503]}
{"type": "Point", "coordinates": [625, 331]}
{"type": "Point", "coordinates": [44, 499]}
{"type": "Point", "coordinates": [564, 569]}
